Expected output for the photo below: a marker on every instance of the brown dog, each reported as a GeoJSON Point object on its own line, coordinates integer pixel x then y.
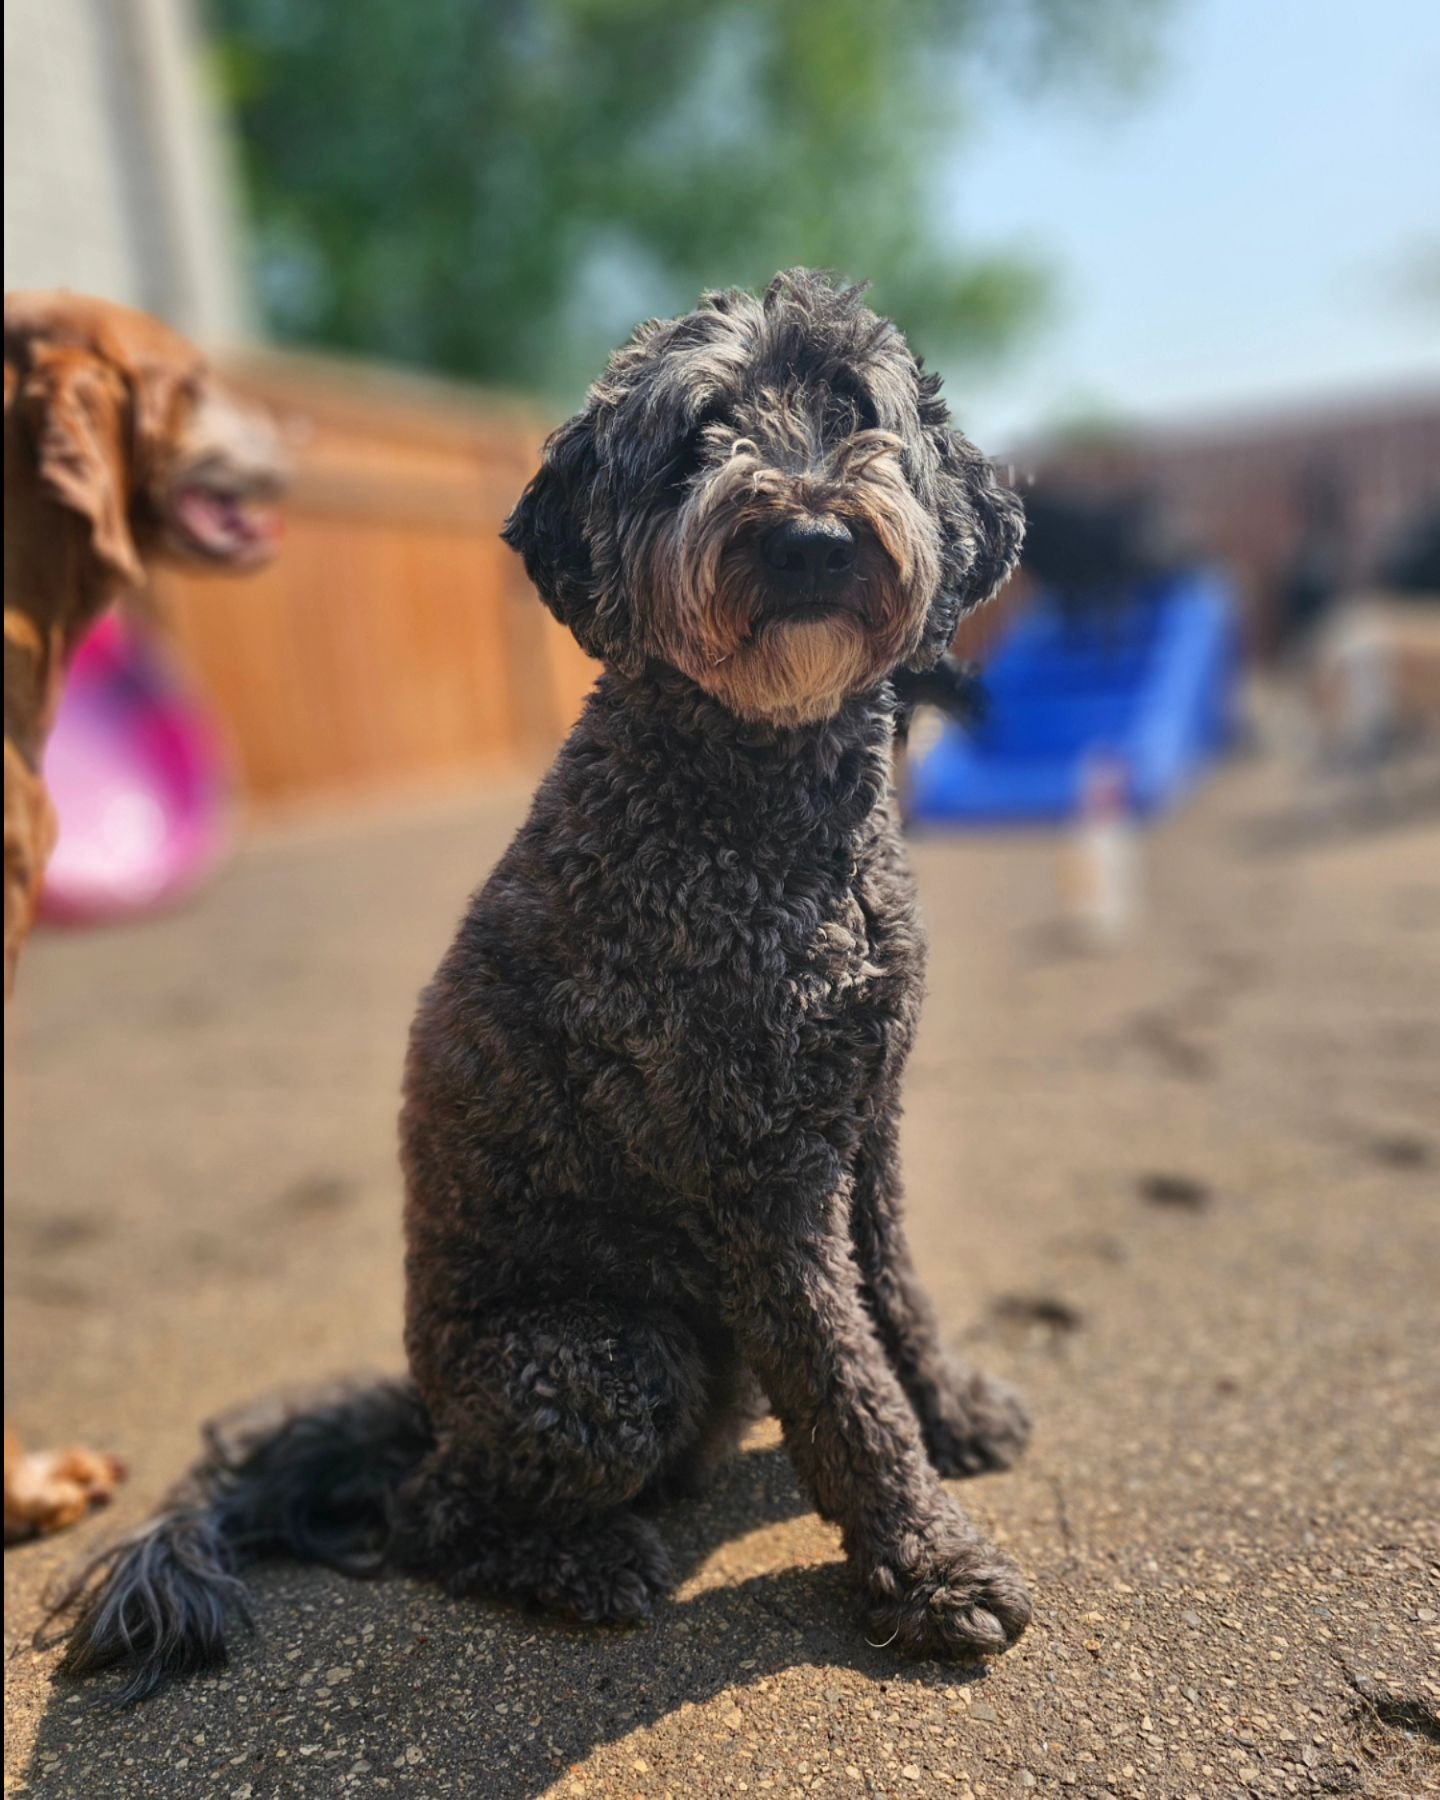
{"type": "Point", "coordinates": [121, 449]}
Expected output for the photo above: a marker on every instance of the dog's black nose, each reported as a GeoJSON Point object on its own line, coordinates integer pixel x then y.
{"type": "Point", "coordinates": [813, 551]}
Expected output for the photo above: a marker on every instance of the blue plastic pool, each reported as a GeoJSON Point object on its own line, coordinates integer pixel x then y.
{"type": "Point", "coordinates": [1150, 687]}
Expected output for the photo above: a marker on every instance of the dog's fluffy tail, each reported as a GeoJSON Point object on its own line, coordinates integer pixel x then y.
{"type": "Point", "coordinates": [317, 1485]}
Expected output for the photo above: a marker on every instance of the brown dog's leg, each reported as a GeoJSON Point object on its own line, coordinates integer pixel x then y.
{"type": "Point", "coordinates": [29, 839]}
{"type": "Point", "coordinates": [971, 1421]}
{"type": "Point", "coordinates": [934, 1585]}
{"type": "Point", "coordinates": [47, 1490]}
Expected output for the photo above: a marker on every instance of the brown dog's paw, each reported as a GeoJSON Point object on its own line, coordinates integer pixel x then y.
{"type": "Point", "coordinates": [981, 1425]}
{"type": "Point", "coordinates": [50, 1490]}
{"type": "Point", "coordinates": [955, 1597]}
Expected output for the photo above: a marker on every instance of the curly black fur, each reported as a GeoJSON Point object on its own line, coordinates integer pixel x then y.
{"type": "Point", "coordinates": [951, 687]}
{"type": "Point", "coordinates": [653, 1093]}
{"type": "Point", "coordinates": [318, 1486]}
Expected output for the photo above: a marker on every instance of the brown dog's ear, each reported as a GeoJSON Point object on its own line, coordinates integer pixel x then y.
{"type": "Point", "coordinates": [163, 392]}
{"type": "Point", "coordinates": [79, 412]}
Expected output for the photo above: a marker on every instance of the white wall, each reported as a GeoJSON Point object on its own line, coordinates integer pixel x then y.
{"type": "Point", "coordinates": [116, 176]}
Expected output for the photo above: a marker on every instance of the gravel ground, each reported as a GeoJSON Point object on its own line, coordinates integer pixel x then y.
{"type": "Point", "coordinates": [1186, 1194]}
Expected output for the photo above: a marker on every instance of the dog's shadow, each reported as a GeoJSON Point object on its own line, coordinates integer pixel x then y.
{"type": "Point", "coordinates": [345, 1681]}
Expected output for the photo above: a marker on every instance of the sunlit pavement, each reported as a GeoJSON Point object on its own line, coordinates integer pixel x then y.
{"type": "Point", "coordinates": [1185, 1193]}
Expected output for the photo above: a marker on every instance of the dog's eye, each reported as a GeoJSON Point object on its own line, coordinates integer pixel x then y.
{"type": "Point", "coordinates": [856, 407]}
{"type": "Point", "coordinates": [711, 414]}
{"type": "Point", "coordinates": [690, 453]}
{"type": "Point", "coordinates": [688, 457]}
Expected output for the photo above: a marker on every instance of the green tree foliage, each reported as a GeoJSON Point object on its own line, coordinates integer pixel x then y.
{"type": "Point", "coordinates": [500, 188]}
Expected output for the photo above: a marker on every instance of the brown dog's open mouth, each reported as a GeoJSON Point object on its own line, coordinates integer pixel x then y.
{"type": "Point", "coordinates": [226, 527]}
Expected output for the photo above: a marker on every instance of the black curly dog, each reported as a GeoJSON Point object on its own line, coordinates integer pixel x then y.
{"type": "Point", "coordinates": [653, 1093]}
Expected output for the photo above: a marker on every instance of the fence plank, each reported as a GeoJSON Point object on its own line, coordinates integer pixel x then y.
{"type": "Point", "coordinates": [395, 638]}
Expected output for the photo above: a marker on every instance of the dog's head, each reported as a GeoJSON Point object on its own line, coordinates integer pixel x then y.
{"type": "Point", "coordinates": [130, 429]}
{"type": "Point", "coordinates": [768, 495]}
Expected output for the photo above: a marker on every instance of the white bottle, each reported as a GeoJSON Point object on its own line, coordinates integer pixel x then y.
{"type": "Point", "coordinates": [1103, 858]}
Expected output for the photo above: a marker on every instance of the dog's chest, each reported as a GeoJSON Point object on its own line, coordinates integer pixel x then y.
{"type": "Point", "coordinates": [852, 978]}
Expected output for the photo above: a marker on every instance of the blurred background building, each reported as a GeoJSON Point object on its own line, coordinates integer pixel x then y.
{"type": "Point", "coordinates": [1237, 490]}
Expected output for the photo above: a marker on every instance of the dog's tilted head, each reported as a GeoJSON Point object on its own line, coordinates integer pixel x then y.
{"type": "Point", "coordinates": [129, 428]}
{"type": "Point", "coordinates": [768, 495]}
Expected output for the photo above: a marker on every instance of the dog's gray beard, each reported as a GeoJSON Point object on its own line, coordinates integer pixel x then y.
{"type": "Point", "coordinates": [791, 671]}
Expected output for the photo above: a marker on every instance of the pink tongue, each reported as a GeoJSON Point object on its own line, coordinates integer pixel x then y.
{"type": "Point", "coordinates": [205, 515]}
{"type": "Point", "coordinates": [219, 519]}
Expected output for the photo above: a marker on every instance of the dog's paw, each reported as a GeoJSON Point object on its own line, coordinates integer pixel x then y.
{"type": "Point", "coordinates": [947, 1593]}
{"type": "Point", "coordinates": [51, 1490]}
{"type": "Point", "coordinates": [979, 1424]}
{"type": "Point", "coordinates": [605, 1571]}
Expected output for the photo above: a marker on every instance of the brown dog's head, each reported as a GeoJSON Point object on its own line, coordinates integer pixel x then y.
{"type": "Point", "coordinates": [768, 495]}
{"type": "Point", "coordinates": [131, 430]}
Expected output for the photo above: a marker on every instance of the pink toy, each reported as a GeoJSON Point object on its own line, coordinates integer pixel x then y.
{"type": "Point", "coordinates": [138, 779]}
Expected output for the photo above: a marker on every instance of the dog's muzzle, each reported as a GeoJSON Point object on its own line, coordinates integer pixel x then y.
{"type": "Point", "coordinates": [810, 570]}
{"type": "Point", "coordinates": [812, 553]}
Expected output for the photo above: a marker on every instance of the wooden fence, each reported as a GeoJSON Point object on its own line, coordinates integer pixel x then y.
{"type": "Point", "coordinates": [395, 641]}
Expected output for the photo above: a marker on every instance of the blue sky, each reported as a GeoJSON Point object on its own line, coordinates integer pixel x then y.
{"type": "Point", "coordinates": [1246, 236]}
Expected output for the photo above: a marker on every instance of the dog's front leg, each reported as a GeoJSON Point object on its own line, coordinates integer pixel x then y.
{"type": "Point", "coordinates": [933, 1583]}
{"type": "Point", "coordinates": [971, 1422]}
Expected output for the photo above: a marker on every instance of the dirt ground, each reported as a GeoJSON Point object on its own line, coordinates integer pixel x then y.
{"type": "Point", "coordinates": [1187, 1194]}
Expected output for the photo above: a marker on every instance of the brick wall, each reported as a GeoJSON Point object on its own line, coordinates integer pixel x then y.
{"type": "Point", "coordinates": [1236, 492]}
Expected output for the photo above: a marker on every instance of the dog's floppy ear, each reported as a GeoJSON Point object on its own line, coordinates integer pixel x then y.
{"type": "Point", "coordinates": [164, 391]}
{"type": "Point", "coordinates": [79, 413]}
{"type": "Point", "coordinates": [982, 524]}
{"type": "Point", "coordinates": [556, 527]}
